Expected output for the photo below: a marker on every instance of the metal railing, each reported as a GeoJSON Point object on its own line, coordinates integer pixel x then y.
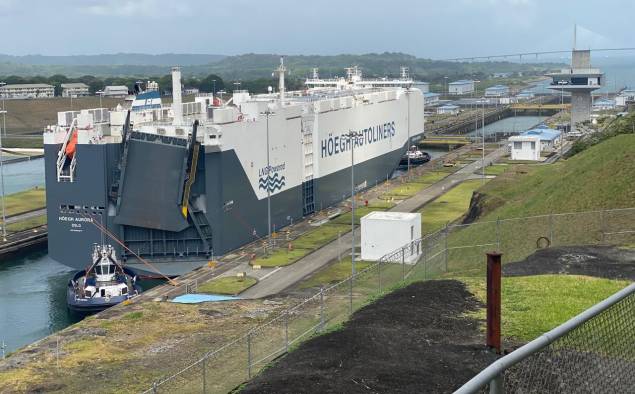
{"type": "Point", "coordinates": [459, 247]}
{"type": "Point", "coordinates": [591, 353]}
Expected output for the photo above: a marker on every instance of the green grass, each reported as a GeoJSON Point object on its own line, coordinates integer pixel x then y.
{"type": "Point", "coordinates": [600, 177]}
{"type": "Point", "coordinates": [448, 207]}
{"type": "Point", "coordinates": [231, 285]}
{"type": "Point", "coordinates": [360, 212]}
{"type": "Point", "coordinates": [533, 305]}
{"type": "Point", "coordinates": [281, 257]}
{"type": "Point", "coordinates": [333, 273]}
{"type": "Point", "coordinates": [496, 169]}
{"type": "Point", "coordinates": [430, 177]}
{"type": "Point", "coordinates": [319, 236]}
{"type": "Point", "coordinates": [25, 201]}
{"type": "Point", "coordinates": [27, 224]}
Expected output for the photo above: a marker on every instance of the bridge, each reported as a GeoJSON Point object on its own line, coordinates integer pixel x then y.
{"type": "Point", "coordinates": [538, 106]}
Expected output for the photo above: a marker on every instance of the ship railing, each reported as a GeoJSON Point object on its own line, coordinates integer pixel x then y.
{"type": "Point", "coordinates": [61, 155]}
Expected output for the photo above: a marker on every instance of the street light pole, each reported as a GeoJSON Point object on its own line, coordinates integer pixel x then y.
{"type": "Point", "coordinates": [4, 221]}
{"type": "Point", "coordinates": [483, 145]}
{"type": "Point", "coordinates": [100, 93]}
{"type": "Point", "coordinates": [352, 137]}
{"type": "Point", "coordinates": [4, 116]}
{"type": "Point", "coordinates": [268, 113]}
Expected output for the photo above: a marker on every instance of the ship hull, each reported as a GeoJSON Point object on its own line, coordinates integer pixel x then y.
{"type": "Point", "coordinates": [71, 233]}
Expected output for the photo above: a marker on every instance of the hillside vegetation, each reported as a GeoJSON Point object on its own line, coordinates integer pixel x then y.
{"type": "Point", "coordinates": [601, 177]}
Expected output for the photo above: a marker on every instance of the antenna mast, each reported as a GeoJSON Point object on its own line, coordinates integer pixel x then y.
{"type": "Point", "coordinates": [281, 70]}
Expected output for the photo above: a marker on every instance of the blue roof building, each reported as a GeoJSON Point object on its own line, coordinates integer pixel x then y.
{"type": "Point", "coordinates": [497, 91]}
{"type": "Point", "coordinates": [548, 137]}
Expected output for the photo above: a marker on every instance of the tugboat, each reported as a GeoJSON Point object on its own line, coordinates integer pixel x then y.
{"type": "Point", "coordinates": [416, 156]}
{"type": "Point", "coordinates": [104, 284]}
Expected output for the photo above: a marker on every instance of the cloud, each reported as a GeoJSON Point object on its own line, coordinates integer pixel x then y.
{"type": "Point", "coordinates": [136, 8]}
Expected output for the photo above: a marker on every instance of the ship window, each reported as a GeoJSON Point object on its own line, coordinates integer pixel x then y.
{"type": "Point", "coordinates": [124, 290]}
{"type": "Point", "coordinates": [103, 292]}
{"type": "Point", "coordinates": [88, 294]}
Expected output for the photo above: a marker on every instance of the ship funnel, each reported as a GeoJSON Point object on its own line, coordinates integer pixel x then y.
{"type": "Point", "coordinates": [177, 107]}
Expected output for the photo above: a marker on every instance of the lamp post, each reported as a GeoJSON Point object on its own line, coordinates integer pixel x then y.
{"type": "Point", "coordinates": [267, 114]}
{"type": "Point", "coordinates": [4, 221]}
{"type": "Point", "coordinates": [446, 86]}
{"type": "Point", "coordinates": [352, 137]}
{"type": "Point", "coordinates": [4, 116]}
{"type": "Point", "coordinates": [100, 93]}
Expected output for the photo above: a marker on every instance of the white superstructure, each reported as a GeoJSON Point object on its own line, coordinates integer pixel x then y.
{"type": "Point", "coordinates": [306, 130]}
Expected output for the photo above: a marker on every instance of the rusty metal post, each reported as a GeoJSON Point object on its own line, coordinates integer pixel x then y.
{"type": "Point", "coordinates": [494, 301]}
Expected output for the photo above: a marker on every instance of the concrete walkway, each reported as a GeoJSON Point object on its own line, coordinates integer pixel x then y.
{"type": "Point", "coordinates": [273, 281]}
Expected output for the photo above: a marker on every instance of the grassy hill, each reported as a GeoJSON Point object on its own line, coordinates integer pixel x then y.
{"type": "Point", "coordinates": [601, 177]}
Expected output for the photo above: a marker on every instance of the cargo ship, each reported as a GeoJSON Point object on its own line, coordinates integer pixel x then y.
{"type": "Point", "coordinates": [181, 183]}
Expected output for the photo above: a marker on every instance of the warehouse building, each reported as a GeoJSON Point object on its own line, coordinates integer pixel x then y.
{"type": "Point", "coordinates": [450, 109]}
{"type": "Point", "coordinates": [460, 87]}
{"type": "Point", "coordinates": [431, 99]}
{"type": "Point", "coordinates": [119, 91]}
{"type": "Point", "coordinates": [74, 89]}
{"type": "Point", "coordinates": [497, 91]}
{"type": "Point", "coordinates": [27, 91]}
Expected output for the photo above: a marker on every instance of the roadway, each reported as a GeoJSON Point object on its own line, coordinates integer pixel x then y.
{"type": "Point", "coordinates": [274, 281]}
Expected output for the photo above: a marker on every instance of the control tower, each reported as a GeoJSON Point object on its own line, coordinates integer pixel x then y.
{"type": "Point", "coordinates": [579, 80]}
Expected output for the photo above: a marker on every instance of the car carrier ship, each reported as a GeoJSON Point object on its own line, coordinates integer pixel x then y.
{"type": "Point", "coordinates": [177, 184]}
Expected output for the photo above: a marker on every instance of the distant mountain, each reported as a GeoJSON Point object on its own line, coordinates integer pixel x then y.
{"type": "Point", "coordinates": [117, 59]}
{"type": "Point", "coordinates": [253, 66]}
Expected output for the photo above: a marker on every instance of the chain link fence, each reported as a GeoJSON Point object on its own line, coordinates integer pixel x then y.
{"type": "Point", "coordinates": [592, 353]}
{"type": "Point", "coordinates": [458, 247]}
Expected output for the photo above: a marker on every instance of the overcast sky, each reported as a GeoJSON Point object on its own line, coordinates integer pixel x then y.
{"type": "Point", "coordinates": [425, 28]}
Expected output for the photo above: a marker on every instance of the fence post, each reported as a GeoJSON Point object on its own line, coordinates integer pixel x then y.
{"type": "Point", "coordinates": [498, 233]}
{"type": "Point", "coordinates": [446, 246]}
{"type": "Point", "coordinates": [496, 385]}
{"type": "Point", "coordinates": [494, 301]}
{"type": "Point", "coordinates": [154, 387]}
{"type": "Point", "coordinates": [551, 235]}
{"type": "Point", "coordinates": [321, 308]}
{"type": "Point", "coordinates": [286, 331]}
{"type": "Point", "coordinates": [249, 354]}
{"type": "Point", "coordinates": [403, 263]}
{"type": "Point", "coordinates": [350, 296]}
{"type": "Point", "coordinates": [379, 274]}
{"type": "Point", "coordinates": [204, 377]}
{"type": "Point", "coordinates": [602, 226]}
{"type": "Point", "coordinates": [425, 262]}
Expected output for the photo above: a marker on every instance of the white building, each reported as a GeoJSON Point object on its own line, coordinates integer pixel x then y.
{"type": "Point", "coordinates": [74, 89]}
{"type": "Point", "coordinates": [431, 99]}
{"type": "Point", "coordinates": [549, 138]}
{"type": "Point", "coordinates": [448, 109]}
{"type": "Point", "coordinates": [525, 147]}
{"type": "Point", "coordinates": [604, 104]}
{"type": "Point", "coordinates": [27, 91]}
{"type": "Point", "coordinates": [384, 232]}
{"type": "Point", "coordinates": [190, 91]}
{"type": "Point", "coordinates": [497, 91]}
{"type": "Point", "coordinates": [117, 91]}
{"type": "Point", "coordinates": [460, 87]}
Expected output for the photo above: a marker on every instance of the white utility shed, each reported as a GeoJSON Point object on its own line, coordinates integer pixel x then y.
{"type": "Point", "coordinates": [525, 147]}
{"type": "Point", "coordinates": [385, 232]}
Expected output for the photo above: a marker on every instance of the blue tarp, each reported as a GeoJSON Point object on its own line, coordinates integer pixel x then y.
{"type": "Point", "coordinates": [198, 298]}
